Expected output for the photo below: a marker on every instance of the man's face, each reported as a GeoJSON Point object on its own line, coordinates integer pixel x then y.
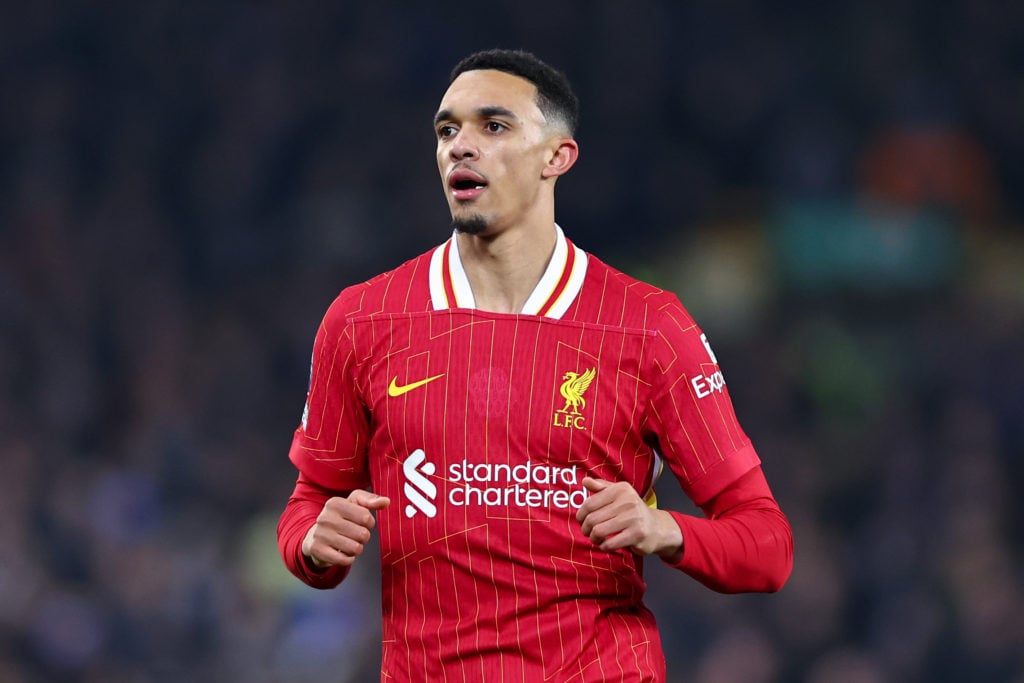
{"type": "Point", "coordinates": [492, 146]}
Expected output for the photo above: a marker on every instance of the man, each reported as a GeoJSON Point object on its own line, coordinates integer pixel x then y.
{"type": "Point", "coordinates": [503, 405]}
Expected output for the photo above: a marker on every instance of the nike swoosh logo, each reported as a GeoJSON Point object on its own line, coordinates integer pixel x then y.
{"type": "Point", "coordinates": [395, 390]}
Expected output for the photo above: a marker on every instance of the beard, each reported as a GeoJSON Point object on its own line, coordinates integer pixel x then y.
{"type": "Point", "coordinates": [470, 225]}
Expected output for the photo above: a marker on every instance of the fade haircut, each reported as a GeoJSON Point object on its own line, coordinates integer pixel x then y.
{"type": "Point", "coordinates": [555, 97]}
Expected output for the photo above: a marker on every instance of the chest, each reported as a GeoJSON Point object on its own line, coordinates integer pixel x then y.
{"type": "Point", "coordinates": [471, 389]}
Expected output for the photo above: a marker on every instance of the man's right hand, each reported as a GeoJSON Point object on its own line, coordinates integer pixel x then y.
{"type": "Point", "coordinates": [342, 529]}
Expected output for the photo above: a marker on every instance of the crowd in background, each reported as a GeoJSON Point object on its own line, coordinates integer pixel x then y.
{"type": "Point", "coordinates": [835, 190]}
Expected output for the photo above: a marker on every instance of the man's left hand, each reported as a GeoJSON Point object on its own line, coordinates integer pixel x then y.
{"type": "Point", "coordinates": [614, 516]}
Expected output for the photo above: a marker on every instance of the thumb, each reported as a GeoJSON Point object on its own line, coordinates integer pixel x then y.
{"type": "Point", "coordinates": [369, 500]}
{"type": "Point", "coordinates": [377, 502]}
{"type": "Point", "coordinates": [595, 485]}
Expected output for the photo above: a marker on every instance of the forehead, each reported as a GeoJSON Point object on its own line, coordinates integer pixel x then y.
{"type": "Point", "coordinates": [475, 90]}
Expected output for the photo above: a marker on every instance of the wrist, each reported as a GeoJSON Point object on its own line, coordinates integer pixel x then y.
{"type": "Point", "coordinates": [670, 546]}
{"type": "Point", "coordinates": [316, 563]}
{"type": "Point", "coordinates": [306, 549]}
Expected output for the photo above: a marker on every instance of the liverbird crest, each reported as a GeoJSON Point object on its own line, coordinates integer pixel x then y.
{"type": "Point", "coordinates": [573, 388]}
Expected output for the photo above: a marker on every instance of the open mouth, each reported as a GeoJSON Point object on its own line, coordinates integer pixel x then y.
{"type": "Point", "coordinates": [466, 184]}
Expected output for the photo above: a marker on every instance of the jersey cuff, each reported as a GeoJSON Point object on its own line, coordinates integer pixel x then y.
{"type": "Point", "coordinates": [723, 473]}
{"type": "Point", "coordinates": [683, 522]}
{"type": "Point", "coordinates": [325, 578]}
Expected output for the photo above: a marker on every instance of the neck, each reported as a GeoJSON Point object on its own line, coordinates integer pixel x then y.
{"type": "Point", "coordinates": [503, 269]}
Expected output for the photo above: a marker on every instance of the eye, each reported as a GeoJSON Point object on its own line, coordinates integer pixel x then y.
{"type": "Point", "coordinates": [444, 132]}
{"type": "Point", "coordinates": [495, 127]}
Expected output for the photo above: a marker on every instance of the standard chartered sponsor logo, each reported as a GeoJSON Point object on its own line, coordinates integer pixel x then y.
{"type": "Point", "coordinates": [420, 491]}
{"type": "Point", "coordinates": [528, 484]}
{"type": "Point", "coordinates": [525, 485]}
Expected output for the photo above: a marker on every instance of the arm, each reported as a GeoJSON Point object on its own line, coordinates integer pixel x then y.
{"type": "Point", "coordinates": [299, 516]}
{"type": "Point", "coordinates": [328, 516]}
{"type": "Point", "coordinates": [744, 545]}
{"type": "Point", "coordinates": [320, 534]}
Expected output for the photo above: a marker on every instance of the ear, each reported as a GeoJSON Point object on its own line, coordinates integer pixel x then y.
{"type": "Point", "coordinates": [566, 151]}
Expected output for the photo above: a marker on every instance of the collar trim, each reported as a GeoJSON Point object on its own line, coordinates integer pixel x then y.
{"type": "Point", "coordinates": [557, 289]}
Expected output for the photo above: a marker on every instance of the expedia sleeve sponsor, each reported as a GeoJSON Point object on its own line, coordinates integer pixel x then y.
{"type": "Point", "coordinates": [705, 385]}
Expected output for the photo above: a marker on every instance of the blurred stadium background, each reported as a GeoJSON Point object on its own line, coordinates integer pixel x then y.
{"type": "Point", "coordinates": [836, 190]}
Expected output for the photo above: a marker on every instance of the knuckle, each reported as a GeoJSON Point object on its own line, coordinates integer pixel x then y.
{"type": "Point", "coordinates": [333, 507]}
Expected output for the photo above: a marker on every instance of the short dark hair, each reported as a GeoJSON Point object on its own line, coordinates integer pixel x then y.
{"type": "Point", "coordinates": [555, 97]}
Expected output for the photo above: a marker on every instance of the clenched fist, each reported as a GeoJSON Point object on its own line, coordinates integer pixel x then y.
{"type": "Point", "coordinates": [614, 516]}
{"type": "Point", "coordinates": [342, 529]}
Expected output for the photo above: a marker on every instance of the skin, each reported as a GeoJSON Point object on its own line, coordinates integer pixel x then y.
{"type": "Point", "coordinates": [342, 529]}
{"type": "Point", "coordinates": [488, 123]}
{"type": "Point", "coordinates": [615, 517]}
{"type": "Point", "coordinates": [490, 130]}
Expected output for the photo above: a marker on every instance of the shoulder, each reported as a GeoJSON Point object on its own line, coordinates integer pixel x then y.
{"type": "Point", "coordinates": [679, 347]}
{"type": "Point", "coordinates": [402, 289]}
{"type": "Point", "coordinates": [612, 297]}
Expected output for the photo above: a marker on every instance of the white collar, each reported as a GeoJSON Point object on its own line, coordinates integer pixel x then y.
{"type": "Point", "coordinates": [554, 293]}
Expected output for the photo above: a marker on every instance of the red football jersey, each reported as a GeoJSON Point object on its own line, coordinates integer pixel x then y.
{"type": "Point", "coordinates": [480, 428]}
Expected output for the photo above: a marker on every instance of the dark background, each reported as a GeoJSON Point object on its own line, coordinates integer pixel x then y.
{"type": "Point", "coordinates": [833, 189]}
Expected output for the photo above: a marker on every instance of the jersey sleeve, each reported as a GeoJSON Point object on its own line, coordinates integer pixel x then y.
{"type": "Point", "coordinates": [329, 446]}
{"type": "Point", "coordinates": [690, 416]}
{"type": "Point", "coordinates": [304, 506]}
{"type": "Point", "coordinates": [744, 544]}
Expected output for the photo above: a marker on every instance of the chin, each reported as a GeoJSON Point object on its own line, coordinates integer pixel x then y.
{"type": "Point", "coordinates": [473, 224]}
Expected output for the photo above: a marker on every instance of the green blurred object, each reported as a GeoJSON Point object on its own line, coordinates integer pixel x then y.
{"type": "Point", "coordinates": [865, 247]}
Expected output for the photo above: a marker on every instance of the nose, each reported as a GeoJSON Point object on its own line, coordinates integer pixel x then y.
{"type": "Point", "coordinates": [463, 146]}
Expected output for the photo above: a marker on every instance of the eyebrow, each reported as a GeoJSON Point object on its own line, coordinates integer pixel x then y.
{"type": "Point", "coordinates": [484, 112]}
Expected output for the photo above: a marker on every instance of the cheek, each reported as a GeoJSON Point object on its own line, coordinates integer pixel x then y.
{"type": "Point", "coordinates": [524, 175]}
